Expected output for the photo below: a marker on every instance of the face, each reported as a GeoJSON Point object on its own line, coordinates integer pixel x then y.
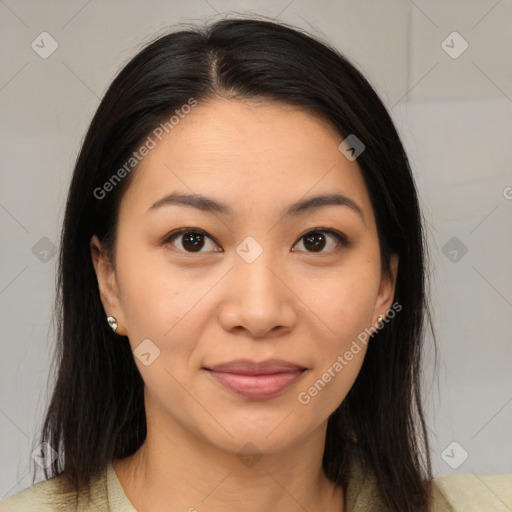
{"type": "Point", "coordinates": [242, 308]}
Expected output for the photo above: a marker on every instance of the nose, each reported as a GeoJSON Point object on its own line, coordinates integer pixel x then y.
{"type": "Point", "coordinates": [258, 298]}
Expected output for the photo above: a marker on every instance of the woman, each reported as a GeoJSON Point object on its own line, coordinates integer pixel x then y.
{"type": "Point", "coordinates": [242, 290]}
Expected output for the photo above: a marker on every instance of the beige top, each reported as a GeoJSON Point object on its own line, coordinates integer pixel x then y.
{"type": "Point", "coordinates": [454, 493]}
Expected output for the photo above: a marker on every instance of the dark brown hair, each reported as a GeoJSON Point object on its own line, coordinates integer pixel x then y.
{"type": "Point", "coordinates": [97, 412]}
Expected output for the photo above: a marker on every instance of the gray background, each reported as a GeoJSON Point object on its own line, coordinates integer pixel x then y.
{"type": "Point", "coordinates": [455, 118]}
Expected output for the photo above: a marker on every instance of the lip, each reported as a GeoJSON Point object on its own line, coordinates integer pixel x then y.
{"type": "Point", "coordinates": [256, 380]}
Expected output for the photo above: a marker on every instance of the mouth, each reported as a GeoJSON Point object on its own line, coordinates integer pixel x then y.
{"type": "Point", "coordinates": [256, 381]}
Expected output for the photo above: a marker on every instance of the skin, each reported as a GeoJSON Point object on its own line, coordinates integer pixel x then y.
{"type": "Point", "coordinates": [209, 307]}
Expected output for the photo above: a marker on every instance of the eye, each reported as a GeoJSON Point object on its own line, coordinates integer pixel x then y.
{"type": "Point", "coordinates": [316, 240]}
{"type": "Point", "coordinates": [191, 240]}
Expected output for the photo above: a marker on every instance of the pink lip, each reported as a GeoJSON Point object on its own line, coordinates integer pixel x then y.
{"type": "Point", "coordinates": [256, 381]}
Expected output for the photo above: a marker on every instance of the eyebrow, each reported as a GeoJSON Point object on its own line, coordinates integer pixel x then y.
{"type": "Point", "coordinates": [210, 205]}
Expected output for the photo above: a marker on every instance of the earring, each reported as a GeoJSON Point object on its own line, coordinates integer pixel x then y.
{"type": "Point", "coordinates": [112, 321]}
{"type": "Point", "coordinates": [380, 321]}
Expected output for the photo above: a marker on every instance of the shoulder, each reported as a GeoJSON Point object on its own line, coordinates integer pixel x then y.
{"type": "Point", "coordinates": [470, 492]}
{"type": "Point", "coordinates": [57, 495]}
{"type": "Point", "coordinates": [43, 496]}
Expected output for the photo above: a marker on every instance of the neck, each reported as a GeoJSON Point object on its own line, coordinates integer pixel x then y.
{"type": "Point", "coordinates": [181, 472]}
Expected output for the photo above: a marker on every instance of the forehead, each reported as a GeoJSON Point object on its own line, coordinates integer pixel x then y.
{"type": "Point", "coordinates": [246, 152]}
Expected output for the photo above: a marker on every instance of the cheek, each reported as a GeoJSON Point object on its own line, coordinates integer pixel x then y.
{"type": "Point", "coordinates": [340, 351]}
{"type": "Point", "coordinates": [155, 298]}
{"type": "Point", "coordinates": [327, 388]}
{"type": "Point", "coordinates": [345, 300]}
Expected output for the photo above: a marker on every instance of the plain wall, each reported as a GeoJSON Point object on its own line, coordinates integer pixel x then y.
{"type": "Point", "coordinates": [454, 113]}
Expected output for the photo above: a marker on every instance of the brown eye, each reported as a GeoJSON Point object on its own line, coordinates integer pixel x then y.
{"type": "Point", "coordinates": [317, 240]}
{"type": "Point", "coordinates": [191, 240]}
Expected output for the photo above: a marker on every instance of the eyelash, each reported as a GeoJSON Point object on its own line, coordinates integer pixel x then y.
{"type": "Point", "coordinates": [341, 238]}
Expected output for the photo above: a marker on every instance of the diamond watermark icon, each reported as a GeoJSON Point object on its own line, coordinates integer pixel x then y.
{"type": "Point", "coordinates": [454, 45]}
{"type": "Point", "coordinates": [454, 455]}
{"type": "Point", "coordinates": [249, 250]}
{"type": "Point", "coordinates": [146, 352]}
{"type": "Point", "coordinates": [249, 455]}
{"type": "Point", "coordinates": [44, 250]}
{"type": "Point", "coordinates": [351, 147]}
{"type": "Point", "coordinates": [45, 455]}
{"type": "Point", "coordinates": [454, 249]}
{"type": "Point", "coordinates": [44, 45]}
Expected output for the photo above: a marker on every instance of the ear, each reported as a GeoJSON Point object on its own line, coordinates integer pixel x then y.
{"type": "Point", "coordinates": [107, 284]}
{"type": "Point", "coordinates": [386, 291]}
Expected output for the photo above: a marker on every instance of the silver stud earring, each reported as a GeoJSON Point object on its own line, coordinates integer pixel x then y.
{"type": "Point", "coordinates": [112, 321]}
{"type": "Point", "coordinates": [380, 320]}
